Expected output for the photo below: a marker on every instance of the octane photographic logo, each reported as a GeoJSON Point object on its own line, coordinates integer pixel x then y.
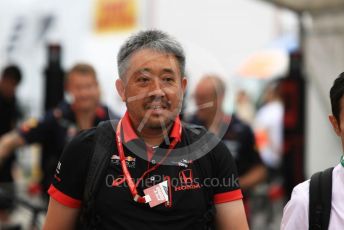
{"type": "Point", "coordinates": [155, 101]}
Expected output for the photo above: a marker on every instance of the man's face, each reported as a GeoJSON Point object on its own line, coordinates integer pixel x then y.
{"type": "Point", "coordinates": [338, 126]}
{"type": "Point", "coordinates": [206, 100]}
{"type": "Point", "coordinates": [84, 90]}
{"type": "Point", "coordinates": [152, 89]}
{"type": "Point", "coordinates": [8, 87]}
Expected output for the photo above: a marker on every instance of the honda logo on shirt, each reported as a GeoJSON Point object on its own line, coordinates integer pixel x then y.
{"type": "Point", "coordinates": [186, 176]}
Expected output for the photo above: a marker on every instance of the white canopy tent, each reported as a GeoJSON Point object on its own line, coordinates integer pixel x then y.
{"type": "Point", "coordinates": [309, 5]}
{"type": "Point", "coordinates": [322, 44]}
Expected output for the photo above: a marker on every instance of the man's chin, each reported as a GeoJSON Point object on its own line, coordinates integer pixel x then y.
{"type": "Point", "coordinates": [158, 123]}
{"type": "Point", "coordinates": [82, 108]}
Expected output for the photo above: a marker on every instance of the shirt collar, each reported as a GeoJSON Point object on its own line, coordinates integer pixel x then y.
{"type": "Point", "coordinates": [129, 134]}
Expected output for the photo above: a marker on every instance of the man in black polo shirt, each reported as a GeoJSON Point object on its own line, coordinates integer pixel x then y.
{"type": "Point", "coordinates": [58, 126]}
{"type": "Point", "coordinates": [158, 176]}
{"type": "Point", "coordinates": [236, 135]}
{"type": "Point", "coordinates": [9, 113]}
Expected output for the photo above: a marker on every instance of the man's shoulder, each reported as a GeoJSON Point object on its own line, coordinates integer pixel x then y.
{"type": "Point", "coordinates": [193, 126]}
{"type": "Point", "coordinates": [85, 139]}
{"type": "Point", "coordinates": [195, 132]}
{"type": "Point", "coordinates": [86, 135]}
{"type": "Point", "coordinates": [200, 139]}
{"type": "Point", "coordinates": [295, 213]}
{"type": "Point", "coordinates": [77, 153]}
{"type": "Point", "coordinates": [300, 194]}
{"type": "Point", "coordinates": [301, 191]}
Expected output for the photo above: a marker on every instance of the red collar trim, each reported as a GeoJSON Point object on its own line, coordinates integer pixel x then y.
{"type": "Point", "coordinates": [128, 131]}
{"type": "Point", "coordinates": [176, 129]}
{"type": "Point", "coordinates": [129, 134]}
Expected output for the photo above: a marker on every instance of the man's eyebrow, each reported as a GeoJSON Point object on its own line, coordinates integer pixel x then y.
{"type": "Point", "coordinates": [143, 70]}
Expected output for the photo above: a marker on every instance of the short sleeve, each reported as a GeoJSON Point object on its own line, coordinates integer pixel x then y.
{"type": "Point", "coordinates": [69, 179]}
{"type": "Point", "coordinates": [295, 213]}
{"type": "Point", "coordinates": [226, 182]}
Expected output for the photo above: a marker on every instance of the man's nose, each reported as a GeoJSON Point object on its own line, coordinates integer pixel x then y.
{"type": "Point", "coordinates": [157, 89]}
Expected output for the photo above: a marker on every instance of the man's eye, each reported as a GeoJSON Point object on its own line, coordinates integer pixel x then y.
{"type": "Point", "coordinates": [168, 79]}
{"type": "Point", "coordinates": [143, 79]}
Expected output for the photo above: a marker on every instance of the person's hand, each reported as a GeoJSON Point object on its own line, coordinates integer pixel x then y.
{"type": "Point", "coordinates": [2, 151]}
{"type": "Point", "coordinates": [4, 148]}
{"type": "Point", "coordinates": [8, 143]}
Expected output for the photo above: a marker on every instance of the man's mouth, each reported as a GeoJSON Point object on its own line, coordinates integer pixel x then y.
{"type": "Point", "coordinates": [156, 107]}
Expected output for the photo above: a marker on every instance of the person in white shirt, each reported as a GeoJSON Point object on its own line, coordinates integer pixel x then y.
{"type": "Point", "coordinates": [295, 214]}
{"type": "Point", "coordinates": [268, 127]}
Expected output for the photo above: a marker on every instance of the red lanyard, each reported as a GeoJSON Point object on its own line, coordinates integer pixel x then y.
{"type": "Point", "coordinates": [127, 176]}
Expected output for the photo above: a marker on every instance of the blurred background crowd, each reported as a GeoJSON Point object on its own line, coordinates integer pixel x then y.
{"type": "Point", "coordinates": [265, 66]}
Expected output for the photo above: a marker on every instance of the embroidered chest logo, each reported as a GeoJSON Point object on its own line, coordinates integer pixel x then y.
{"type": "Point", "coordinates": [186, 176]}
{"type": "Point", "coordinates": [182, 163]}
{"type": "Point", "coordinates": [130, 161]}
{"type": "Point", "coordinates": [187, 181]}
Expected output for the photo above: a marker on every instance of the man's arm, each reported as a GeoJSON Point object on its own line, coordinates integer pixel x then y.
{"type": "Point", "coordinates": [231, 215]}
{"type": "Point", "coordinates": [254, 176]}
{"type": "Point", "coordinates": [249, 154]}
{"type": "Point", "coordinates": [67, 188]}
{"type": "Point", "coordinates": [230, 212]}
{"type": "Point", "coordinates": [60, 216]}
{"type": "Point", "coordinates": [9, 142]}
{"type": "Point", "coordinates": [31, 131]}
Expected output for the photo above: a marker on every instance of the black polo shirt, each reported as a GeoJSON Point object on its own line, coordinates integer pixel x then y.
{"type": "Point", "coordinates": [53, 131]}
{"type": "Point", "coordinates": [239, 138]}
{"type": "Point", "coordinates": [8, 117]}
{"type": "Point", "coordinates": [190, 181]}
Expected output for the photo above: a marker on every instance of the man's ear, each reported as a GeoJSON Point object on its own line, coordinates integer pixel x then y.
{"type": "Point", "coordinates": [184, 84]}
{"type": "Point", "coordinates": [335, 124]}
{"type": "Point", "coordinates": [121, 89]}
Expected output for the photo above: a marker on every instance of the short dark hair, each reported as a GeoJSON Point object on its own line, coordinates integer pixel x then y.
{"type": "Point", "coordinates": [150, 39]}
{"type": "Point", "coordinates": [12, 72]}
{"type": "Point", "coordinates": [336, 94]}
{"type": "Point", "coordinates": [82, 68]}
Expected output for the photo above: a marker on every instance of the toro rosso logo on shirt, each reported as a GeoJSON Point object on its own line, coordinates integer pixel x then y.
{"type": "Point", "coordinates": [187, 181]}
{"type": "Point", "coordinates": [182, 163]}
{"type": "Point", "coordinates": [131, 161]}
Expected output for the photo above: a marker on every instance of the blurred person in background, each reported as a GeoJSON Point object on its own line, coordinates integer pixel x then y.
{"type": "Point", "coordinates": [329, 214]}
{"type": "Point", "coordinates": [244, 107]}
{"type": "Point", "coordinates": [9, 114]}
{"type": "Point", "coordinates": [237, 135]}
{"type": "Point", "coordinates": [268, 128]}
{"type": "Point", "coordinates": [58, 126]}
